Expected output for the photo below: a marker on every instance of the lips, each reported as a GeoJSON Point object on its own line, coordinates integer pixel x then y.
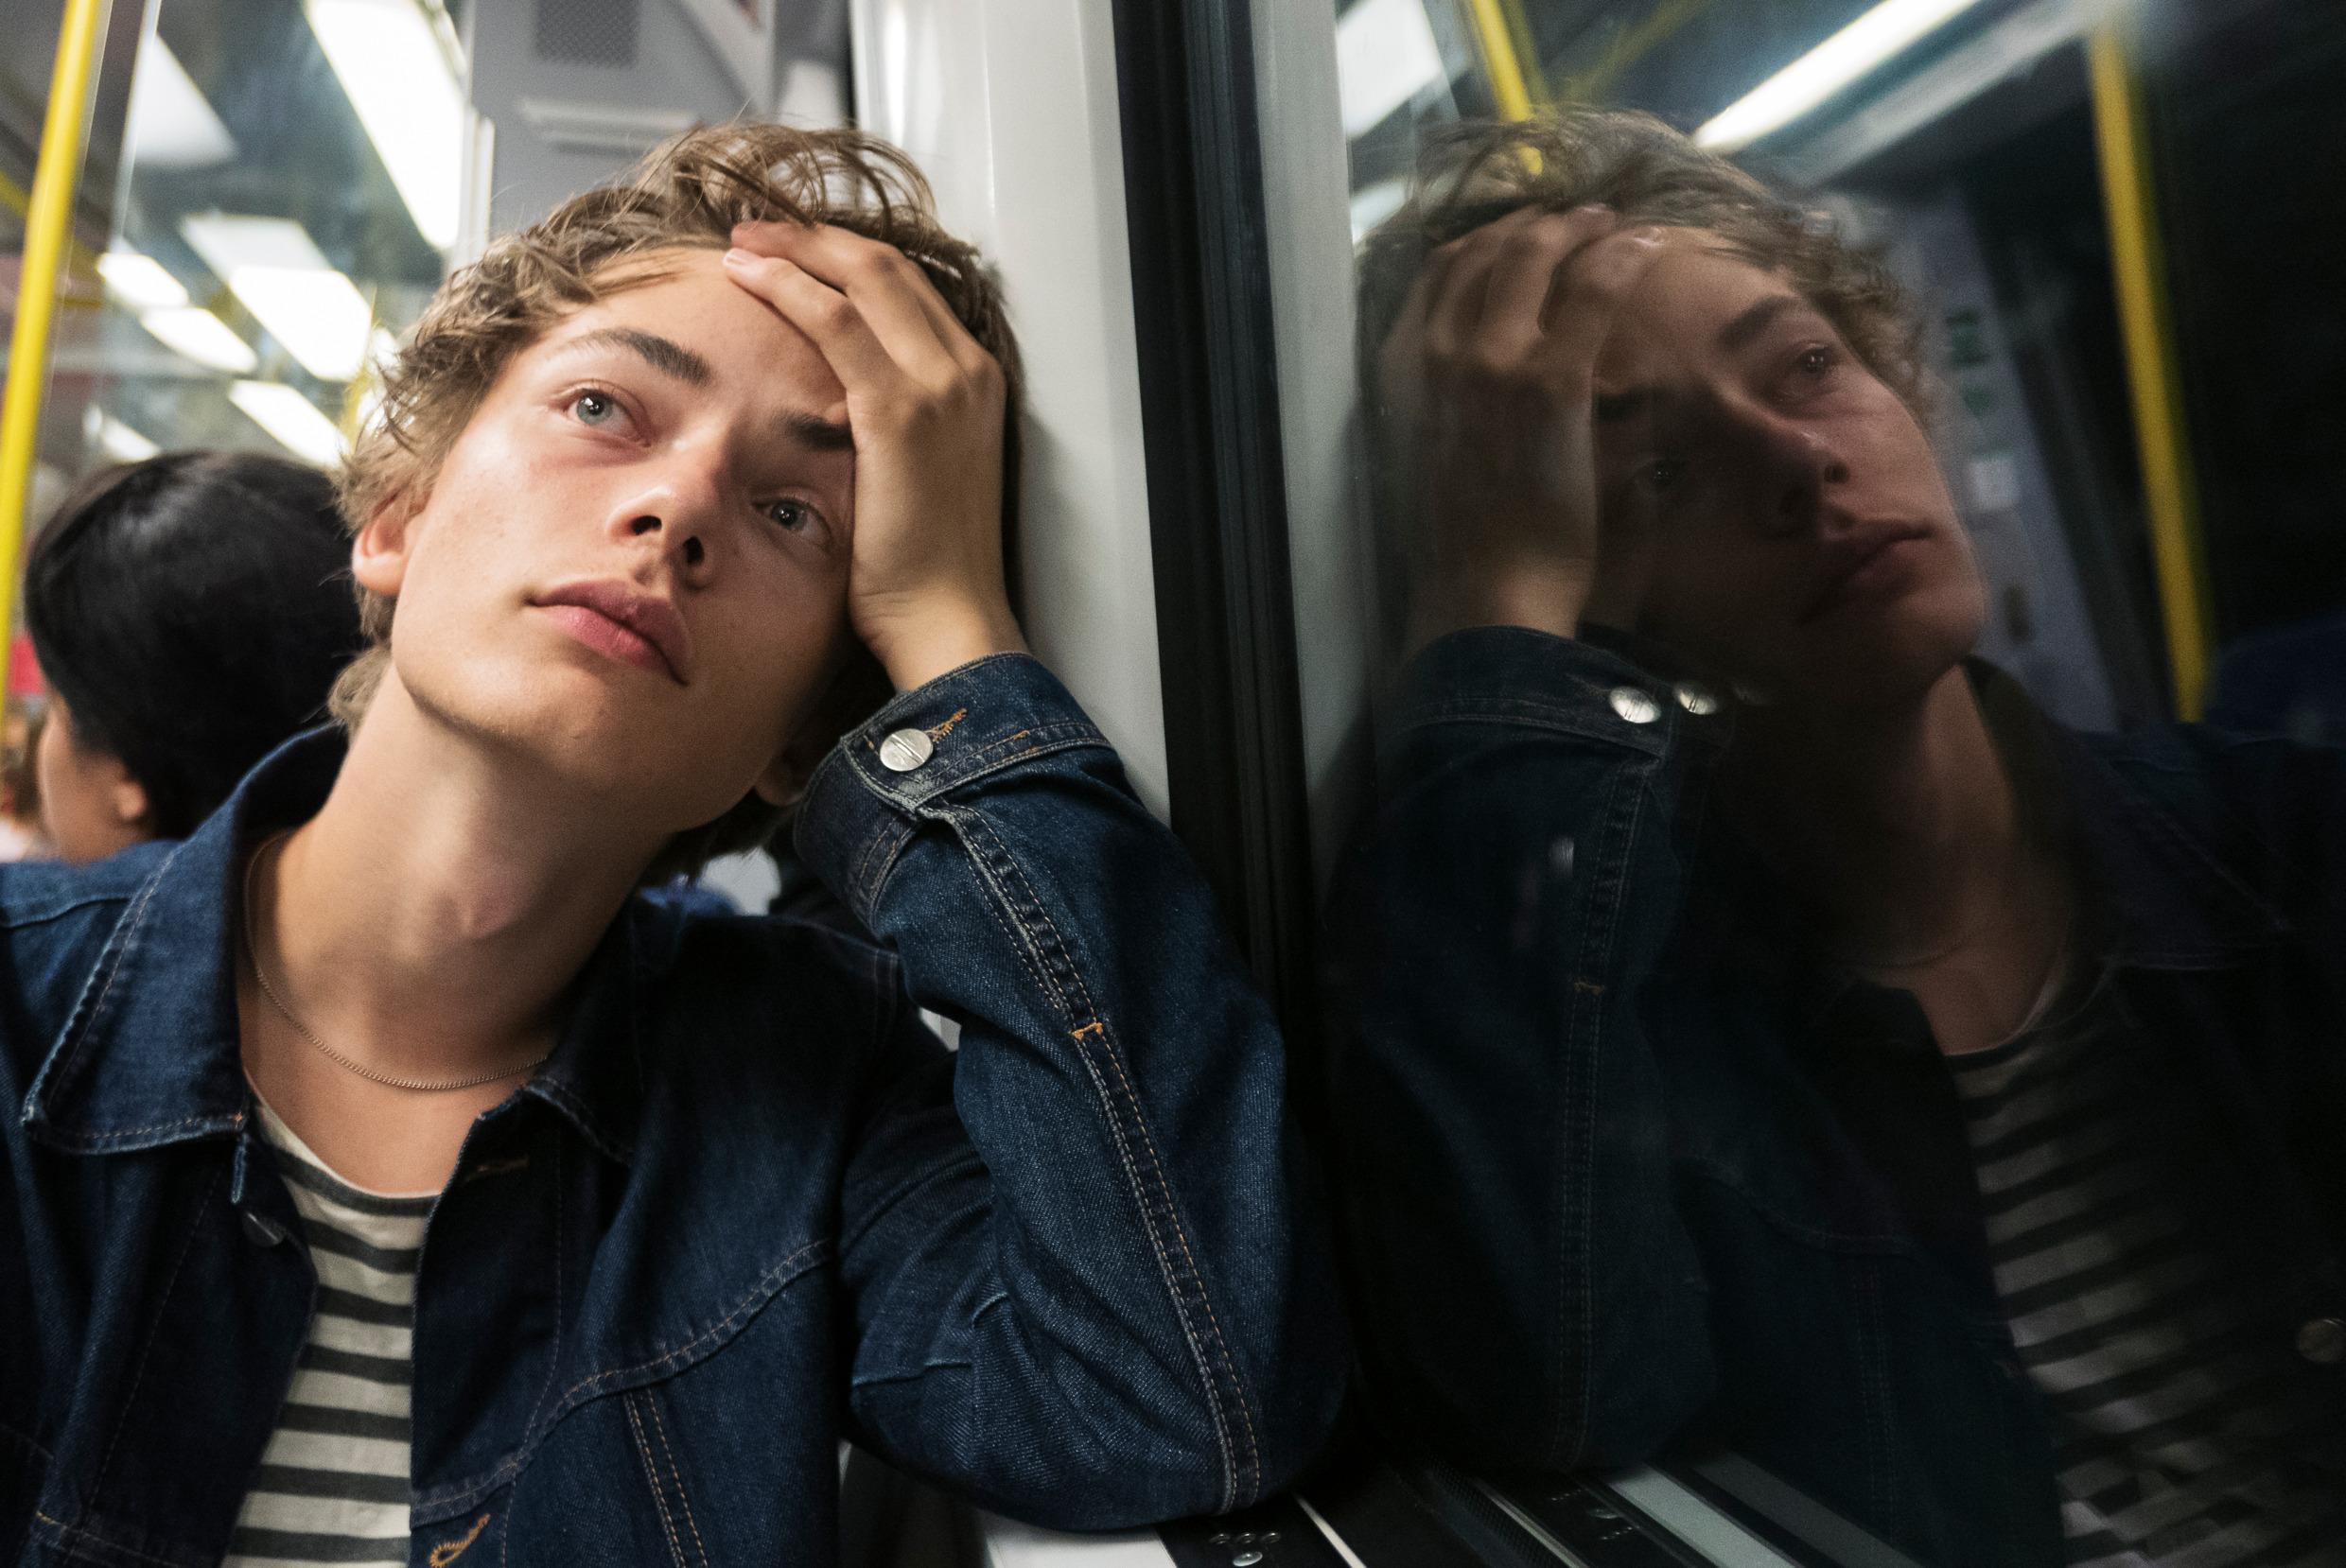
{"type": "Point", "coordinates": [1856, 562]}
{"type": "Point", "coordinates": [621, 619]}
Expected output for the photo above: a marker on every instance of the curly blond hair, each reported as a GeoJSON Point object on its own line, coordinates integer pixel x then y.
{"type": "Point", "coordinates": [1575, 155]}
{"type": "Point", "coordinates": [688, 192]}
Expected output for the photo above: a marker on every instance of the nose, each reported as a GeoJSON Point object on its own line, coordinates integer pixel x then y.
{"type": "Point", "coordinates": [1797, 470]}
{"type": "Point", "coordinates": [675, 512]}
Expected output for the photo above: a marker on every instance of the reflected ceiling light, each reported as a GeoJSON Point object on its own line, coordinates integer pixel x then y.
{"type": "Point", "coordinates": [171, 122]}
{"type": "Point", "coordinates": [140, 281]}
{"type": "Point", "coordinates": [400, 83]}
{"type": "Point", "coordinates": [201, 337]}
{"type": "Point", "coordinates": [118, 440]}
{"type": "Point", "coordinates": [277, 270]}
{"type": "Point", "coordinates": [1826, 70]}
{"type": "Point", "coordinates": [292, 419]}
{"type": "Point", "coordinates": [1385, 55]}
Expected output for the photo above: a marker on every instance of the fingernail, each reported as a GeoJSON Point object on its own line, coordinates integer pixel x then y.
{"type": "Point", "coordinates": [738, 257]}
{"type": "Point", "coordinates": [1650, 237]}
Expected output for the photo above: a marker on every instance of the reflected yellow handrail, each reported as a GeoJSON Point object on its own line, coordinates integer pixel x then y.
{"type": "Point", "coordinates": [48, 225]}
{"type": "Point", "coordinates": [1514, 91]}
{"type": "Point", "coordinates": [2161, 436]}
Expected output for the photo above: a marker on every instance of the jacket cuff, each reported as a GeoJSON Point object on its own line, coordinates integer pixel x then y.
{"type": "Point", "coordinates": [867, 795]}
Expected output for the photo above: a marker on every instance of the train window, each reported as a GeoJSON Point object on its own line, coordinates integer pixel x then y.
{"type": "Point", "coordinates": [1816, 604]}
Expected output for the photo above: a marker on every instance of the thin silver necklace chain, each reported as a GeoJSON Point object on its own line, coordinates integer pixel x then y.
{"type": "Point", "coordinates": [252, 954]}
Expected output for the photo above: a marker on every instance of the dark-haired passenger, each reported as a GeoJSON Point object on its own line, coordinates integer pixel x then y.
{"type": "Point", "coordinates": [191, 613]}
{"type": "Point", "coordinates": [1771, 1032]}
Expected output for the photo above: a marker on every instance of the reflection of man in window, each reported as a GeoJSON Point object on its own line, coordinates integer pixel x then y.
{"type": "Point", "coordinates": [1771, 1032]}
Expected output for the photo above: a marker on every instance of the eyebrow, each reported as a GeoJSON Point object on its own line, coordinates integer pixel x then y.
{"type": "Point", "coordinates": [1754, 320]}
{"type": "Point", "coordinates": [818, 434]}
{"type": "Point", "coordinates": [673, 358]}
{"type": "Point", "coordinates": [664, 354]}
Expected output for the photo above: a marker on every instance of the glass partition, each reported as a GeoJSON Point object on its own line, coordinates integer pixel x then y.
{"type": "Point", "coordinates": [1803, 1012]}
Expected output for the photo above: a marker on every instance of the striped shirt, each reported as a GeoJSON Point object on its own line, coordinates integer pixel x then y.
{"type": "Point", "coordinates": [2179, 1421]}
{"type": "Point", "coordinates": [332, 1486]}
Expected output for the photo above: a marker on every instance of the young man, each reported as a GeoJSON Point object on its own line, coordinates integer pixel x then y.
{"type": "Point", "coordinates": [390, 1186]}
{"type": "Point", "coordinates": [1771, 1035]}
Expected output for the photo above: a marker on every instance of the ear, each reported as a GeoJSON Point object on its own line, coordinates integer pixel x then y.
{"type": "Point", "coordinates": [784, 780]}
{"type": "Point", "coordinates": [379, 556]}
{"type": "Point", "coordinates": [126, 797]}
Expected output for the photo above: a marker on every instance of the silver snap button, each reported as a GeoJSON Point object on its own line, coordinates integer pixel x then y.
{"type": "Point", "coordinates": [907, 750]}
{"type": "Point", "coordinates": [1697, 700]}
{"type": "Point", "coordinates": [1246, 1559]}
{"type": "Point", "coordinates": [261, 1230]}
{"type": "Point", "coordinates": [2323, 1341]}
{"type": "Point", "coordinates": [1635, 706]}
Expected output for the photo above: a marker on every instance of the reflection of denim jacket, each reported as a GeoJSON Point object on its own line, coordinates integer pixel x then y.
{"type": "Point", "coordinates": [1616, 1171]}
{"type": "Point", "coordinates": [749, 1205]}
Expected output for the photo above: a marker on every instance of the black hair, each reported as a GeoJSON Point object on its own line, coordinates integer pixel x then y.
{"type": "Point", "coordinates": [192, 611]}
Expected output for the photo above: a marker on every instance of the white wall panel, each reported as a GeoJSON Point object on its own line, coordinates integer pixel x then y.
{"type": "Point", "coordinates": [1010, 108]}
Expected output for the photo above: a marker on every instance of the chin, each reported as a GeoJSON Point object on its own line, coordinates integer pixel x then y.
{"type": "Point", "coordinates": [1894, 659]}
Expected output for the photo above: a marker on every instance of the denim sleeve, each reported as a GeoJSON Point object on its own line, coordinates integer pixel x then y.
{"type": "Point", "coordinates": [1091, 1290]}
{"type": "Point", "coordinates": [1528, 1295]}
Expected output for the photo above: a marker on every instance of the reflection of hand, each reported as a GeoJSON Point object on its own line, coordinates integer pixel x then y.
{"type": "Point", "coordinates": [1488, 380]}
{"type": "Point", "coordinates": [925, 586]}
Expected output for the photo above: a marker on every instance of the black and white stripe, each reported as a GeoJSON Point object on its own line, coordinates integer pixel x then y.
{"type": "Point", "coordinates": [332, 1486]}
{"type": "Point", "coordinates": [2178, 1418]}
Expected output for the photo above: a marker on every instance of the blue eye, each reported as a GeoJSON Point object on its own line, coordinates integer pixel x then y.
{"type": "Point", "coordinates": [795, 516]}
{"type": "Point", "coordinates": [594, 408]}
{"type": "Point", "coordinates": [1662, 474]}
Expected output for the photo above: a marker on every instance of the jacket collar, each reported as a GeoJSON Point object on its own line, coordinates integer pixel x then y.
{"type": "Point", "coordinates": [150, 1054]}
{"type": "Point", "coordinates": [2156, 894]}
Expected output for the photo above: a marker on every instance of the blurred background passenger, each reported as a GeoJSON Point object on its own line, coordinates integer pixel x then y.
{"type": "Point", "coordinates": [190, 612]}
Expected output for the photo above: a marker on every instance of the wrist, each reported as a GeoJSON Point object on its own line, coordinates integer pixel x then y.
{"type": "Point", "coordinates": [1547, 597]}
{"type": "Point", "coordinates": [928, 642]}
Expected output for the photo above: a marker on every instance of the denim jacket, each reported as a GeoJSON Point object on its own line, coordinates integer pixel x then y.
{"type": "Point", "coordinates": [1622, 1169]}
{"type": "Point", "coordinates": [749, 1207]}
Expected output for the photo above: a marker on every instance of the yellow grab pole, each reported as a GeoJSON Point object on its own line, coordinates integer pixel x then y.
{"type": "Point", "coordinates": [48, 230]}
{"type": "Point", "coordinates": [1512, 88]}
{"type": "Point", "coordinates": [2146, 326]}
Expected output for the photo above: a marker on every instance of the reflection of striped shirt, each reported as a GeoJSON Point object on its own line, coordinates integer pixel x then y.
{"type": "Point", "coordinates": [333, 1482]}
{"type": "Point", "coordinates": [2178, 1419]}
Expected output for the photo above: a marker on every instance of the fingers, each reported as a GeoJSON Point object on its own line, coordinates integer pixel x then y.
{"type": "Point", "coordinates": [898, 303]}
{"type": "Point", "coordinates": [841, 332]}
{"type": "Point", "coordinates": [1588, 291]}
{"type": "Point", "coordinates": [1530, 256]}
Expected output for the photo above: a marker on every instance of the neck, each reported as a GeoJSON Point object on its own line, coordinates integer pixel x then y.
{"type": "Point", "coordinates": [1900, 824]}
{"type": "Point", "coordinates": [429, 921]}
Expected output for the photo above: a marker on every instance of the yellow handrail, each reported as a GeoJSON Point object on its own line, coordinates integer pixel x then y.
{"type": "Point", "coordinates": [1514, 91]}
{"type": "Point", "coordinates": [48, 229]}
{"type": "Point", "coordinates": [2159, 432]}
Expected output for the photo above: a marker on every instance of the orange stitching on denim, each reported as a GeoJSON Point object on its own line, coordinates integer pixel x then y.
{"type": "Point", "coordinates": [448, 1551]}
{"type": "Point", "coordinates": [1593, 988]}
{"type": "Point", "coordinates": [946, 728]}
{"type": "Point", "coordinates": [1095, 1027]}
{"type": "Point", "coordinates": [1205, 1296]}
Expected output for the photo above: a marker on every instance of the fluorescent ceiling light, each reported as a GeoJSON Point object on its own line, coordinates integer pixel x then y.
{"type": "Point", "coordinates": [118, 440]}
{"type": "Point", "coordinates": [1825, 70]}
{"type": "Point", "coordinates": [171, 122]}
{"type": "Point", "coordinates": [406, 96]}
{"type": "Point", "coordinates": [290, 419]}
{"type": "Point", "coordinates": [141, 281]}
{"type": "Point", "coordinates": [278, 271]}
{"type": "Point", "coordinates": [201, 337]}
{"type": "Point", "coordinates": [1385, 55]}
{"type": "Point", "coordinates": [1373, 204]}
